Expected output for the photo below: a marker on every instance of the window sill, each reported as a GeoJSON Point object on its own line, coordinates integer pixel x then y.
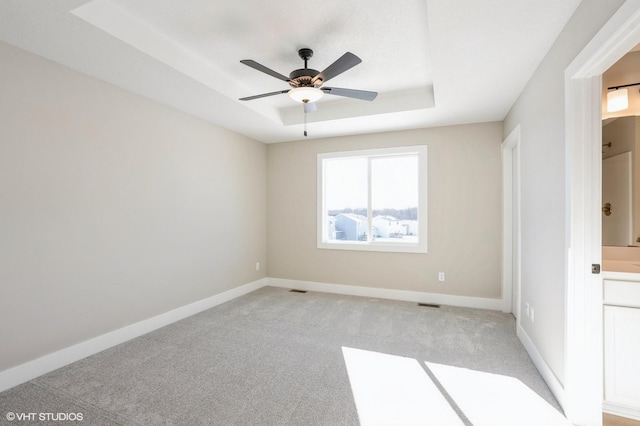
{"type": "Point", "coordinates": [379, 247]}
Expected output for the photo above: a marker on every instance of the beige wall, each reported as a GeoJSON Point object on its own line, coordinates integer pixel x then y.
{"type": "Point", "coordinates": [621, 132]}
{"type": "Point", "coordinates": [113, 208]}
{"type": "Point", "coordinates": [464, 215]}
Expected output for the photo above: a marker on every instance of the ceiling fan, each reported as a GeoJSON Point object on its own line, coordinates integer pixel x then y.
{"type": "Point", "coordinates": [307, 84]}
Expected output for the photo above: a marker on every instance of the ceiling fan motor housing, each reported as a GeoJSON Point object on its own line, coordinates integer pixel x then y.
{"type": "Point", "coordinates": [303, 77]}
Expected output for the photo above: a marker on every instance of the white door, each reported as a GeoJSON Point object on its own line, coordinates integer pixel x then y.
{"type": "Point", "coordinates": [616, 200]}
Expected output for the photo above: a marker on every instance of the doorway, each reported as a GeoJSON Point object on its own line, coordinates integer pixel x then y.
{"type": "Point", "coordinates": [583, 320]}
{"type": "Point", "coordinates": [511, 224]}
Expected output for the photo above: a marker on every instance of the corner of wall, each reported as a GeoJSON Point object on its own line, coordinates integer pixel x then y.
{"type": "Point", "coordinates": [35, 368]}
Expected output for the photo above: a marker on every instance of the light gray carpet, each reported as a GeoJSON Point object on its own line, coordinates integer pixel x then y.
{"type": "Point", "coordinates": [268, 358]}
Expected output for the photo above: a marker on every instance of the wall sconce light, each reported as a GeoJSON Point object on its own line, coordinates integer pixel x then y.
{"type": "Point", "coordinates": [618, 98]}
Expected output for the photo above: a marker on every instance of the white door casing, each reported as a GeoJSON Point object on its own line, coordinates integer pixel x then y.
{"type": "Point", "coordinates": [511, 223]}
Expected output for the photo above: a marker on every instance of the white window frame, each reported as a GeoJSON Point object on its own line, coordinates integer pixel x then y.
{"type": "Point", "coordinates": [385, 246]}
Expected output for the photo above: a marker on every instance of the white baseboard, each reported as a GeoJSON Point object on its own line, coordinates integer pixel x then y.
{"type": "Point", "coordinates": [557, 389]}
{"type": "Point", "coordinates": [383, 293]}
{"type": "Point", "coordinates": [621, 410]}
{"type": "Point", "coordinates": [32, 369]}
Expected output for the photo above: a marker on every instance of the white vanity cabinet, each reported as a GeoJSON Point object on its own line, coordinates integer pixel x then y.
{"type": "Point", "coordinates": [622, 346]}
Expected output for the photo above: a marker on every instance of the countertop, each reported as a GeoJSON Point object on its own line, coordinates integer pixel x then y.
{"type": "Point", "coordinates": [629, 266]}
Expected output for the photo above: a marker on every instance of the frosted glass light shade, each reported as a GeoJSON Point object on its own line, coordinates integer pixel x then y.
{"type": "Point", "coordinates": [617, 100]}
{"type": "Point", "coordinates": [305, 94]}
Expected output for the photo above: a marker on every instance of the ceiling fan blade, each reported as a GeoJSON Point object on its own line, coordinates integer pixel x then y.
{"type": "Point", "coordinates": [253, 64]}
{"type": "Point", "coordinates": [264, 95]}
{"type": "Point", "coordinates": [350, 93]}
{"type": "Point", "coordinates": [345, 62]}
{"type": "Point", "coordinates": [310, 107]}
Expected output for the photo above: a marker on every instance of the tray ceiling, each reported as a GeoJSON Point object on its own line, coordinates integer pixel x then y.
{"type": "Point", "coordinates": [433, 62]}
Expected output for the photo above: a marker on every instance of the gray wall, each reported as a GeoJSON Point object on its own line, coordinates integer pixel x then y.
{"type": "Point", "coordinates": [113, 208]}
{"type": "Point", "coordinates": [540, 110]}
{"type": "Point", "coordinates": [464, 215]}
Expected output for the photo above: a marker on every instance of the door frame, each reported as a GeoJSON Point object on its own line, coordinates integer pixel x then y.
{"type": "Point", "coordinates": [583, 382]}
{"type": "Point", "coordinates": [510, 242]}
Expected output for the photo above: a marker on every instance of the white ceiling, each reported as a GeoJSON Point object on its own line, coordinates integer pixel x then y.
{"type": "Point", "coordinates": [434, 62]}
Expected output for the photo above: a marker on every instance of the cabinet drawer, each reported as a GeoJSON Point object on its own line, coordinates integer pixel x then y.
{"type": "Point", "coordinates": [622, 293]}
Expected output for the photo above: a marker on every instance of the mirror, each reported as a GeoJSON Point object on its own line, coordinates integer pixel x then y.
{"type": "Point", "coordinates": [621, 155]}
{"type": "Point", "coordinates": [620, 218]}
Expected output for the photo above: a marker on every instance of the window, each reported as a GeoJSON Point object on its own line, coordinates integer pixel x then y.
{"type": "Point", "coordinates": [373, 200]}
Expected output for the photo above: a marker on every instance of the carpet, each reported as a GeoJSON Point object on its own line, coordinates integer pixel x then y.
{"type": "Point", "coordinates": [272, 357]}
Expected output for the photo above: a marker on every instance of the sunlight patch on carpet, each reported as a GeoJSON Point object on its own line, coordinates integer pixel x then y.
{"type": "Point", "coordinates": [493, 400]}
{"type": "Point", "coordinates": [394, 390]}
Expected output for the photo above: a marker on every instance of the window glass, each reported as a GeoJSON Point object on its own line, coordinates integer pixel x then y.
{"type": "Point", "coordinates": [373, 200]}
{"type": "Point", "coordinates": [394, 198]}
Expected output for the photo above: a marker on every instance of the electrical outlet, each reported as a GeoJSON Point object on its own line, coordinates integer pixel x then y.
{"type": "Point", "coordinates": [532, 315]}
{"type": "Point", "coordinates": [440, 276]}
{"type": "Point", "coordinates": [257, 266]}
{"type": "Point", "coordinates": [526, 309]}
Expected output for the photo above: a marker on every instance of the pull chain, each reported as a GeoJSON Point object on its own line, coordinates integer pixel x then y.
{"type": "Point", "coordinates": [305, 105]}
{"type": "Point", "coordinates": [305, 124]}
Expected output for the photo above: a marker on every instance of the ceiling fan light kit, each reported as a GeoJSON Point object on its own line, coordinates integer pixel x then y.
{"type": "Point", "coordinates": [306, 83]}
{"type": "Point", "coordinates": [305, 94]}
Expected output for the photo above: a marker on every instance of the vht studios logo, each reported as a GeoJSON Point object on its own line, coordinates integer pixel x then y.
{"type": "Point", "coordinates": [52, 417]}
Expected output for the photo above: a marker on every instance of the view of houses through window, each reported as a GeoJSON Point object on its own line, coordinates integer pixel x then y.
{"type": "Point", "coordinates": [352, 225]}
{"type": "Point", "coordinates": [372, 197]}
